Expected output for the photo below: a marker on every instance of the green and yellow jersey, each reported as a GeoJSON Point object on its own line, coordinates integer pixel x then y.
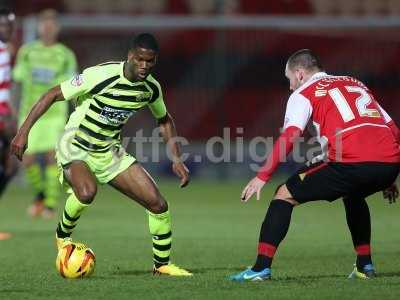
{"type": "Point", "coordinates": [38, 68]}
{"type": "Point", "coordinates": [105, 101]}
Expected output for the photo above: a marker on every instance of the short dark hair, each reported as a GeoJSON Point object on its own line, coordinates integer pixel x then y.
{"type": "Point", "coordinates": [146, 41]}
{"type": "Point", "coordinates": [304, 58]}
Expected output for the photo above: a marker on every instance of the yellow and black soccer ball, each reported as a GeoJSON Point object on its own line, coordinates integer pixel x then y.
{"type": "Point", "coordinates": [75, 260]}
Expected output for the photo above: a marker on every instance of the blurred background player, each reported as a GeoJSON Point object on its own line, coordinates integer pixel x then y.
{"type": "Point", "coordinates": [361, 156]}
{"type": "Point", "coordinates": [7, 117]}
{"type": "Point", "coordinates": [39, 66]}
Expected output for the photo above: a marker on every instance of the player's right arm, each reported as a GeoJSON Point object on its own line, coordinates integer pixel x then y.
{"type": "Point", "coordinates": [168, 132]}
{"type": "Point", "coordinates": [298, 113]}
{"type": "Point", "coordinates": [18, 144]}
{"type": "Point", "coordinates": [392, 192]}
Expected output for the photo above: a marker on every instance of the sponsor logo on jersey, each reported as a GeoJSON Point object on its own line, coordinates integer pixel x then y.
{"type": "Point", "coordinates": [43, 76]}
{"type": "Point", "coordinates": [143, 97]}
{"type": "Point", "coordinates": [115, 116]}
{"type": "Point", "coordinates": [77, 80]}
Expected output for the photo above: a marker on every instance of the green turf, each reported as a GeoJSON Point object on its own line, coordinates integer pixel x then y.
{"type": "Point", "coordinates": [214, 236]}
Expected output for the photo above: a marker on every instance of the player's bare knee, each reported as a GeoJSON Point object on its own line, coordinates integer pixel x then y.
{"type": "Point", "coordinates": [159, 205]}
{"type": "Point", "coordinates": [282, 193]}
{"type": "Point", "coordinates": [86, 193]}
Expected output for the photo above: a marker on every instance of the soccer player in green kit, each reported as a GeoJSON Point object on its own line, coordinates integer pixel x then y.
{"type": "Point", "coordinates": [90, 149]}
{"type": "Point", "coordinates": [40, 65]}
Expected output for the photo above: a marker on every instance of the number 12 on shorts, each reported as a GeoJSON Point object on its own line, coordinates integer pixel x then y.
{"type": "Point", "coordinates": [361, 103]}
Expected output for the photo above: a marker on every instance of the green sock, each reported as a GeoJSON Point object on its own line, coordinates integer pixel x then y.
{"type": "Point", "coordinates": [52, 187]}
{"type": "Point", "coordinates": [160, 228]}
{"type": "Point", "coordinates": [33, 175]}
{"type": "Point", "coordinates": [72, 212]}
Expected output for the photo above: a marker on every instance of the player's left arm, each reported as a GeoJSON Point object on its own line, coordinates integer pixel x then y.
{"type": "Point", "coordinates": [169, 134]}
{"type": "Point", "coordinates": [392, 192]}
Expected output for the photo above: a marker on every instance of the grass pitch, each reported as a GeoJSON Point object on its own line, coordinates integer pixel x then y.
{"type": "Point", "coordinates": [214, 236]}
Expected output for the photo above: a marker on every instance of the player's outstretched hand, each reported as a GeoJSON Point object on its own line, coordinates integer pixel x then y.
{"type": "Point", "coordinates": [18, 145]}
{"type": "Point", "coordinates": [254, 186]}
{"type": "Point", "coordinates": [182, 172]}
{"type": "Point", "coordinates": [391, 193]}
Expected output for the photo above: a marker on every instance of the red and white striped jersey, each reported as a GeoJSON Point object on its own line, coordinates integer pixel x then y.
{"type": "Point", "coordinates": [5, 73]}
{"type": "Point", "coordinates": [350, 124]}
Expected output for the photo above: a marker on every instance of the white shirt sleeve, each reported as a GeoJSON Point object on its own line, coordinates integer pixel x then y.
{"type": "Point", "coordinates": [385, 115]}
{"type": "Point", "coordinates": [298, 111]}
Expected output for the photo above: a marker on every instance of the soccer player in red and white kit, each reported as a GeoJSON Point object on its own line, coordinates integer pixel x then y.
{"type": "Point", "coordinates": [7, 118]}
{"type": "Point", "coordinates": [361, 156]}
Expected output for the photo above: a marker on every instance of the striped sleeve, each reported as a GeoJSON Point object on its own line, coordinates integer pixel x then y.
{"type": "Point", "coordinates": [92, 80]}
{"type": "Point", "coordinates": [156, 104]}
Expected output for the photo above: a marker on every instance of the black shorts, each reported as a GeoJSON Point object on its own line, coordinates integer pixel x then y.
{"type": "Point", "coordinates": [4, 147]}
{"type": "Point", "coordinates": [330, 181]}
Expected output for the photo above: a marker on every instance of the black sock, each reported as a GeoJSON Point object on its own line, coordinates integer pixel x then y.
{"type": "Point", "coordinates": [359, 222]}
{"type": "Point", "coordinates": [3, 182]}
{"type": "Point", "coordinates": [39, 197]}
{"type": "Point", "coordinates": [60, 233]}
{"type": "Point", "coordinates": [273, 231]}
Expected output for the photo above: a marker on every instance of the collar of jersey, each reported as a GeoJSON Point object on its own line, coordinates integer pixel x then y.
{"type": "Point", "coordinates": [318, 75]}
{"type": "Point", "coordinates": [315, 77]}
